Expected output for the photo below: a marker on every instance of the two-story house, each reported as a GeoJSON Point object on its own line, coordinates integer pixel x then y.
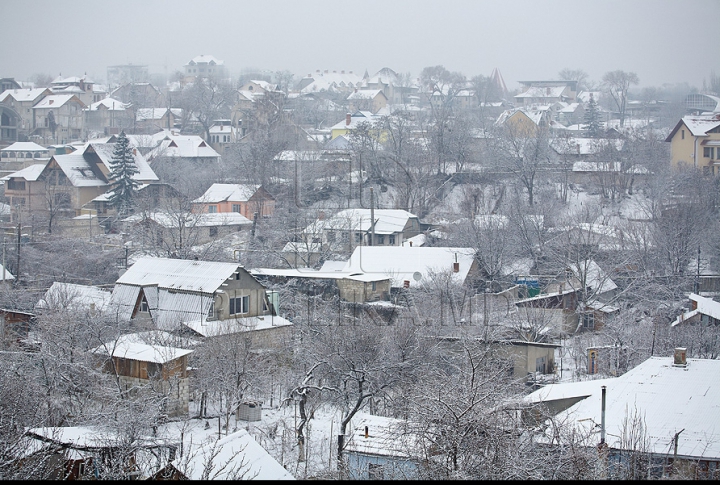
{"type": "Point", "coordinates": [546, 92]}
{"type": "Point", "coordinates": [695, 142]}
{"type": "Point", "coordinates": [58, 117]}
{"type": "Point", "coordinates": [22, 102]}
{"type": "Point", "coordinates": [108, 116]}
{"type": "Point", "coordinates": [372, 100]}
{"type": "Point", "coordinates": [203, 298]}
{"type": "Point", "coordinates": [204, 66]}
{"type": "Point", "coordinates": [82, 87]}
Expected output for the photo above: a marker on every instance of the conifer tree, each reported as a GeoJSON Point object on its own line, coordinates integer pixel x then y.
{"type": "Point", "coordinates": [592, 118]}
{"type": "Point", "coordinates": [122, 169]}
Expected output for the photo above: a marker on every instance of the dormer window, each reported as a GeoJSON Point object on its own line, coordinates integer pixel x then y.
{"type": "Point", "coordinates": [144, 307]}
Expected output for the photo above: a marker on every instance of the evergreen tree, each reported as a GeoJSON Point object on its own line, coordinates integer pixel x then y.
{"type": "Point", "coordinates": [592, 118]}
{"type": "Point", "coordinates": [122, 169]}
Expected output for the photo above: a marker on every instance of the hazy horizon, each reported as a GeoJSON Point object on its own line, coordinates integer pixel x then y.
{"type": "Point", "coordinates": [525, 40]}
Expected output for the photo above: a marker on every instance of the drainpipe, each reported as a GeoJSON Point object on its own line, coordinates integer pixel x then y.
{"type": "Point", "coordinates": [602, 416]}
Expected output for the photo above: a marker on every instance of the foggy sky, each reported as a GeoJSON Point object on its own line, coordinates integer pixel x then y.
{"type": "Point", "coordinates": [663, 41]}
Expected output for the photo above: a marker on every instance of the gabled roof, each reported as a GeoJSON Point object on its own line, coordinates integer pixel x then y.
{"type": "Point", "coordinates": [56, 100]}
{"type": "Point", "coordinates": [22, 95]}
{"type": "Point", "coordinates": [178, 274]}
{"type": "Point", "coordinates": [78, 170]}
{"type": "Point", "coordinates": [365, 94]}
{"type": "Point", "coordinates": [105, 152]}
{"type": "Point", "coordinates": [25, 146]}
{"type": "Point", "coordinates": [143, 114]}
{"type": "Point", "coordinates": [183, 146]}
{"type": "Point", "coordinates": [386, 437]}
{"type": "Point", "coordinates": [389, 221]}
{"type": "Point", "coordinates": [698, 125]}
{"type": "Point", "coordinates": [108, 103]}
{"type": "Point", "coordinates": [188, 219]}
{"type": "Point", "coordinates": [205, 59]}
{"type": "Point", "coordinates": [30, 173]}
{"type": "Point", "coordinates": [542, 92]}
{"type": "Point", "coordinates": [227, 193]}
{"type": "Point", "coordinates": [73, 296]}
{"type": "Point", "coordinates": [705, 306]}
{"type": "Point", "coordinates": [584, 146]}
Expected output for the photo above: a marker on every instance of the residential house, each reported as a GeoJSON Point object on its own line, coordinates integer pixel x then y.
{"type": "Point", "coordinates": [124, 74]}
{"type": "Point", "coordinates": [223, 134]}
{"type": "Point", "coordinates": [236, 456]}
{"type": "Point", "coordinates": [191, 148]}
{"type": "Point", "coordinates": [330, 82]}
{"type": "Point", "coordinates": [82, 452]}
{"type": "Point", "coordinates": [21, 155]}
{"type": "Point", "coordinates": [671, 401]}
{"type": "Point", "coordinates": [22, 101]}
{"type": "Point", "coordinates": [204, 66]}
{"type": "Point", "coordinates": [139, 362]}
{"type": "Point", "coordinates": [90, 300]}
{"type": "Point", "coordinates": [203, 298]}
{"type": "Point", "coordinates": [245, 199]}
{"type": "Point", "coordinates": [352, 121]}
{"type": "Point", "coordinates": [10, 123]}
{"type": "Point", "coordinates": [139, 95]}
{"type": "Point", "coordinates": [388, 81]}
{"type": "Point", "coordinates": [695, 142]}
{"type": "Point", "coordinates": [152, 120]}
{"type": "Point", "coordinates": [65, 183]}
{"type": "Point", "coordinates": [58, 117]}
{"type": "Point", "coordinates": [354, 227]}
{"type": "Point", "coordinates": [703, 310]}
{"type": "Point", "coordinates": [15, 328]}
{"type": "Point", "coordinates": [8, 83]}
{"type": "Point", "coordinates": [372, 100]}
{"type": "Point", "coordinates": [546, 92]}
{"type": "Point", "coordinates": [108, 116]}
{"type": "Point", "coordinates": [306, 168]}
{"type": "Point", "coordinates": [526, 122]}
{"type": "Point", "coordinates": [82, 87]}
{"type": "Point", "coordinates": [554, 310]}
{"type": "Point", "coordinates": [382, 448]}
{"type": "Point", "coordinates": [147, 197]}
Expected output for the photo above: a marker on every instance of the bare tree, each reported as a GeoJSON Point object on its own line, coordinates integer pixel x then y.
{"type": "Point", "coordinates": [617, 84]}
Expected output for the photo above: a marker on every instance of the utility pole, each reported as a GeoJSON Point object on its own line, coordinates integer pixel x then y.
{"type": "Point", "coordinates": [372, 217]}
{"type": "Point", "coordinates": [17, 267]}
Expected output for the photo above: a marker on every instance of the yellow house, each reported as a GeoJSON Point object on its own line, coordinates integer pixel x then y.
{"type": "Point", "coordinates": [524, 122]}
{"type": "Point", "coordinates": [353, 121]}
{"type": "Point", "coordinates": [695, 142]}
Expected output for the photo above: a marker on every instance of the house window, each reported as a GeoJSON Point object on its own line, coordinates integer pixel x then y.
{"type": "Point", "coordinates": [239, 305]}
{"type": "Point", "coordinates": [212, 209]}
{"type": "Point", "coordinates": [374, 286]}
{"type": "Point", "coordinates": [331, 236]}
{"type": "Point", "coordinates": [540, 365]}
{"type": "Point", "coordinates": [381, 240]}
{"type": "Point", "coordinates": [391, 239]}
{"type": "Point", "coordinates": [213, 231]}
{"type": "Point", "coordinates": [345, 236]}
{"type": "Point", "coordinates": [375, 471]}
{"type": "Point", "coordinates": [211, 310]}
{"type": "Point", "coordinates": [358, 237]}
{"type": "Point", "coordinates": [682, 134]}
{"type": "Point", "coordinates": [588, 321]}
{"type": "Point", "coordinates": [708, 152]}
{"type": "Point", "coordinates": [144, 306]}
{"type": "Point", "coordinates": [236, 207]}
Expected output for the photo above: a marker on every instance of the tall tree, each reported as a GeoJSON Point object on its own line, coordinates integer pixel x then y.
{"type": "Point", "coordinates": [577, 75]}
{"type": "Point", "coordinates": [592, 118]}
{"type": "Point", "coordinates": [617, 84]}
{"type": "Point", "coordinates": [122, 170]}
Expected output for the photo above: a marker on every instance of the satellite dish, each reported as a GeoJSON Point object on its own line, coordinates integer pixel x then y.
{"type": "Point", "coordinates": [417, 275]}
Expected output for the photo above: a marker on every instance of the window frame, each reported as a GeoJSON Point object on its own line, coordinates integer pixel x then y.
{"type": "Point", "coordinates": [241, 303]}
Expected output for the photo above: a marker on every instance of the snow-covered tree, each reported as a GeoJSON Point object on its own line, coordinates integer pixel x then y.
{"type": "Point", "coordinates": [122, 169]}
{"type": "Point", "coordinates": [592, 118]}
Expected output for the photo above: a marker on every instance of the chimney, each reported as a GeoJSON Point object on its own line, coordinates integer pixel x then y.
{"type": "Point", "coordinates": [367, 432]}
{"type": "Point", "coordinates": [348, 118]}
{"type": "Point", "coordinates": [406, 284]}
{"type": "Point", "coordinates": [410, 243]}
{"type": "Point", "coordinates": [456, 267]}
{"type": "Point", "coordinates": [680, 356]}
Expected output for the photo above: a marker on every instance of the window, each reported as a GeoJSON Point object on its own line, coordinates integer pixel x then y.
{"type": "Point", "coordinates": [212, 209]}
{"type": "Point", "coordinates": [331, 236]}
{"type": "Point", "coordinates": [375, 471]}
{"type": "Point", "coordinates": [358, 237]}
{"type": "Point", "coordinates": [144, 306]}
{"type": "Point", "coordinates": [345, 236]}
{"type": "Point", "coordinates": [374, 286]}
{"type": "Point", "coordinates": [588, 321]}
{"type": "Point", "coordinates": [381, 240]}
{"type": "Point", "coordinates": [211, 310]}
{"type": "Point", "coordinates": [391, 239]}
{"type": "Point", "coordinates": [236, 207]}
{"type": "Point", "coordinates": [708, 152]}
{"type": "Point", "coordinates": [239, 305]}
{"type": "Point", "coordinates": [540, 365]}
{"type": "Point", "coordinates": [682, 133]}
{"type": "Point", "coordinates": [213, 231]}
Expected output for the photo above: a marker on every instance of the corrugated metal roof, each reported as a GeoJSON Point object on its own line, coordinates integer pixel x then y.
{"type": "Point", "coordinates": [178, 274]}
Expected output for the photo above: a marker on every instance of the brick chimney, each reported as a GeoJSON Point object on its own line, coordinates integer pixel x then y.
{"type": "Point", "coordinates": [348, 119]}
{"type": "Point", "coordinates": [456, 267]}
{"type": "Point", "coordinates": [680, 357]}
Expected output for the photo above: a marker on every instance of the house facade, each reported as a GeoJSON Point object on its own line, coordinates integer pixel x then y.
{"type": "Point", "coordinates": [695, 142]}
{"type": "Point", "coordinates": [245, 199]}
{"type": "Point", "coordinates": [22, 101]}
{"type": "Point", "coordinates": [58, 118]}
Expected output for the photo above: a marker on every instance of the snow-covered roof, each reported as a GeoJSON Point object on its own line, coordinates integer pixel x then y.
{"type": "Point", "coordinates": [188, 219]}
{"type": "Point", "coordinates": [700, 125]}
{"type": "Point", "coordinates": [389, 221]}
{"type": "Point", "coordinates": [30, 173]}
{"type": "Point", "coordinates": [311, 155]}
{"type": "Point", "coordinates": [668, 398]}
{"type": "Point", "coordinates": [584, 146]}
{"type": "Point", "coordinates": [215, 328]}
{"type": "Point", "coordinates": [704, 306]}
{"type": "Point", "coordinates": [595, 277]}
{"type": "Point", "coordinates": [178, 274]}
{"type": "Point", "coordinates": [78, 170]}
{"type": "Point", "coordinates": [405, 263]}
{"type": "Point", "coordinates": [364, 94]}
{"type": "Point", "coordinates": [386, 437]}
{"type": "Point", "coordinates": [132, 346]}
{"type": "Point", "coordinates": [542, 92]}
{"type": "Point", "coordinates": [83, 437]}
{"type": "Point", "coordinates": [75, 297]}
{"type": "Point", "coordinates": [105, 152]}
{"type": "Point", "coordinates": [21, 95]}
{"type": "Point", "coordinates": [182, 146]}
{"type": "Point", "coordinates": [332, 81]}
{"type": "Point", "coordinates": [205, 59]}
{"type": "Point", "coordinates": [25, 146]}
{"type": "Point", "coordinates": [143, 114]}
{"type": "Point", "coordinates": [108, 103]}
{"type": "Point", "coordinates": [235, 456]}
{"type": "Point", "coordinates": [227, 192]}
{"type": "Point", "coordinates": [54, 101]}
